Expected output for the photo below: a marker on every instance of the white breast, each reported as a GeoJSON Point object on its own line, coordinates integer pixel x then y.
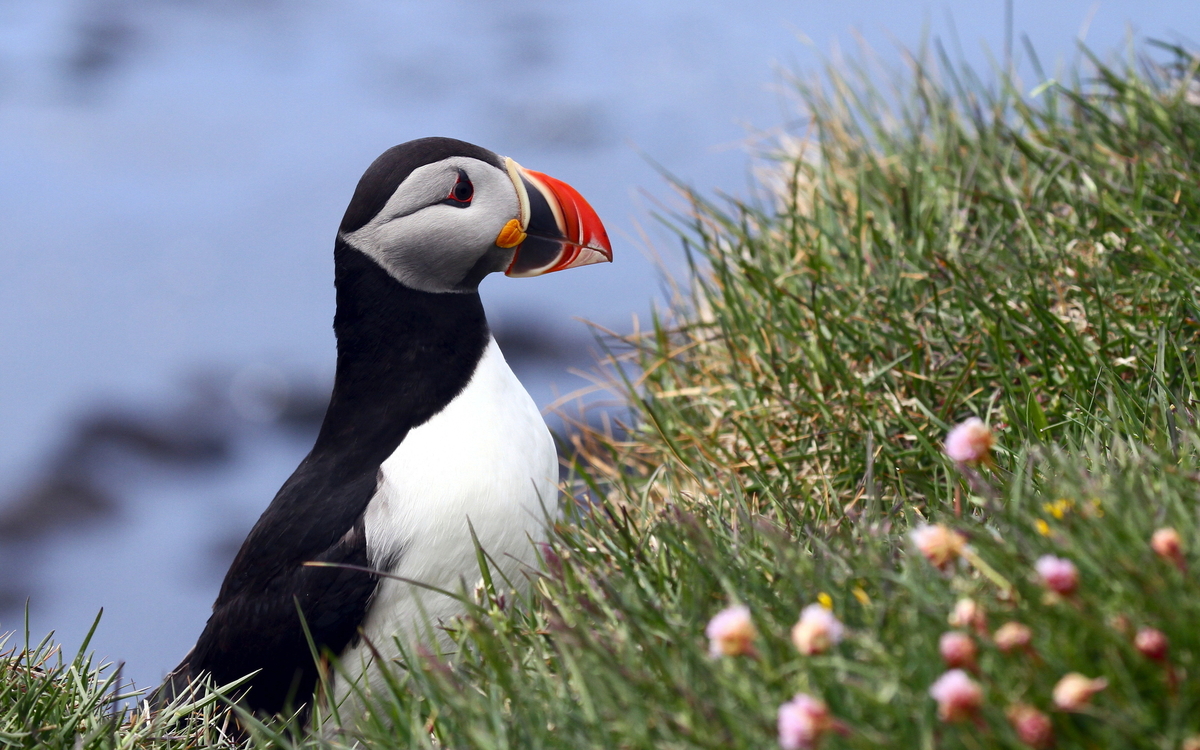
{"type": "Point", "coordinates": [487, 462]}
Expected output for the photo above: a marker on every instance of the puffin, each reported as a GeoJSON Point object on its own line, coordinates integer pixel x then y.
{"type": "Point", "coordinates": [429, 446]}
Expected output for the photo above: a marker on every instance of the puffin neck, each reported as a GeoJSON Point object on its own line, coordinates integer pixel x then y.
{"type": "Point", "coordinates": [403, 355]}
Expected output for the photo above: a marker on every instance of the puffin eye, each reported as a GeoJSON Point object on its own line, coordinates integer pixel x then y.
{"type": "Point", "coordinates": [462, 192]}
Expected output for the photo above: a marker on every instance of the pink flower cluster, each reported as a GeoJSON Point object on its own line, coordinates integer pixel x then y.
{"type": "Point", "coordinates": [1168, 545]}
{"type": "Point", "coordinates": [1074, 691]}
{"type": "Point", "coordinates": [1032, 726]}
{"type": "Point", "coordinates": [1012, 636]}
{"type": "Point", "coordinates": [803, 721]}
{"type": "Point", "coordinates": [1151, 643]}
{"type": "Point", "coordinates": [957, 695]}
{"type": "Point", "coordinates": [970, 442]}
{"type": "Point", "coordinates": [957, 649]}
{"type": "Point", "coordinates": [938, 544]}
{"type": "Point", "coordinates": [1057, 574]}
{"type": "Point", "coordinates": [968, 614]}
{"type": "Point", "coordinates": [731, 632]}
{"type": "Point", "coordinates": [816, 631]}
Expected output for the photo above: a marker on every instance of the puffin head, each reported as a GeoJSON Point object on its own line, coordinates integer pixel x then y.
{"type": "Point", "coordinates": [439, 214]}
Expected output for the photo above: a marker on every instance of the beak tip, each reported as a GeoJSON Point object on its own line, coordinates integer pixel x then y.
{"type": "Point", "coordinates": [590, 255]}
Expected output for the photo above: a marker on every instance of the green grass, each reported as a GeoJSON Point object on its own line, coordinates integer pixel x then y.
{"type": "Point", "coordinates": [924, 254]}
{"type": "Point", "coordinates": [50, 700]}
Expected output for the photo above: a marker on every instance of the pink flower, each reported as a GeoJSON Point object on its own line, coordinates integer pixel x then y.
{"type": "Point", "coordinates": [1012, 636]}
{"type": "Point", "coordinates": [1167, 544]}
{"type": "Point", "coordinates": [969, 442]}
{"type": "Point", "coordinates": [817, 630]}
{"type": "Point", "coordinates": [1074, 691]}
{"type": "Point", "coordinates": [1058, 575]}
{"type": "Point", "coordinates": [957, 695]}
{"type": "Point", "coordinates": [940, 545]}
{"type": "Point", "coordinates": [731, 633]}
{"type": "Point", "coordinates": [957, 649]}
{"type": "Point", "coordinates": [1151, 643]}
{"type": "Point", "coordinates": [802, 721]}
{"type": "Point", "coordinates": [1032, 726]}
{"type": "Point", "coordinates": [968, 614]}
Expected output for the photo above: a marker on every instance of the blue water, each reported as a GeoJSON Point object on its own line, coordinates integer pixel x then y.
{"type": "Point", "coordinates": [171, 175]}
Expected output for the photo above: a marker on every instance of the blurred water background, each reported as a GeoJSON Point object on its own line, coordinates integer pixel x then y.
{"type": "Point", "coordinates": [171, 176]}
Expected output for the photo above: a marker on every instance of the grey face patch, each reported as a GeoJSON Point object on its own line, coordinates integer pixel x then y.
{"type": "Point", "coordinates": [428, 245]}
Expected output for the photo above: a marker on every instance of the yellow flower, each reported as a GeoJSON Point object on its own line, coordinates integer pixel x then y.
{"type": "Point", "coordinates": [825, 600]}
{"type": "Point", "coordinates": [1042, 527]}
{"type": "Point", "coordinates": [1059, 507]}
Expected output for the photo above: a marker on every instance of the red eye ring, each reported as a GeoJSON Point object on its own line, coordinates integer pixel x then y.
{"type": "Point", "coordinates": [462, 192]}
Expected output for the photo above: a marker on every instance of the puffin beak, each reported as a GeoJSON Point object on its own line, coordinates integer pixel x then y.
{"type": "Point", "coordinates": [557, 228]}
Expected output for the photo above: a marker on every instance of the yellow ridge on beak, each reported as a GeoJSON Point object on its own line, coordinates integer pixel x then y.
{"type": "Point", "coordinates": [511, 235]}
{"type": "Point", "coordinates": [514, 174]}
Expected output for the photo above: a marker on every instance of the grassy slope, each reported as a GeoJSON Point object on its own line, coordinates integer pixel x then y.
{"type": "Point", "coordinates": [1033, 262]}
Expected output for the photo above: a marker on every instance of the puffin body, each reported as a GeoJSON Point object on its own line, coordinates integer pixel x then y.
{"type": "Point", "coordinates": [428, 435]}
{"type": "Point", "coordinates": [507, 491]}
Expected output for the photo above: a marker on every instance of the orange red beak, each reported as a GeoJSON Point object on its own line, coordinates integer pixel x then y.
{"type": "Point", "coordinates": [557, 228]}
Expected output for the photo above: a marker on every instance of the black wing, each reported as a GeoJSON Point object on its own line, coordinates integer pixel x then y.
{"type": "Point", "coordinates": [255, 624]}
